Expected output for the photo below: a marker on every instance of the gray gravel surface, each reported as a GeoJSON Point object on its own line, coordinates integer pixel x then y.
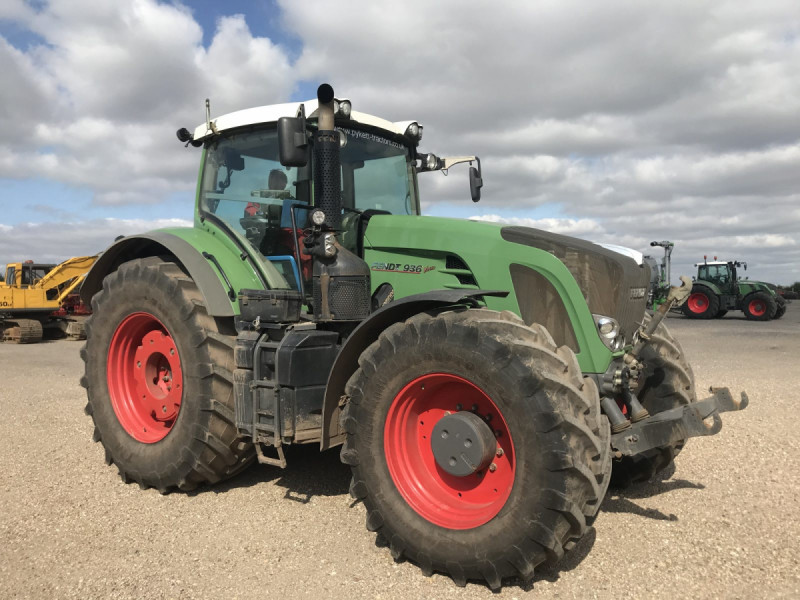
{"type": "Point", "coordinates": [722, 524]}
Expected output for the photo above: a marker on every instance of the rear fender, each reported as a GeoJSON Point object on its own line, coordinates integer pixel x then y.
{"type": "Point", "coordinates": [160, 243]}
{"type": "Point", "coordinates": [712, 286]}
{"type": "Point", "coordinates": [367, 332]}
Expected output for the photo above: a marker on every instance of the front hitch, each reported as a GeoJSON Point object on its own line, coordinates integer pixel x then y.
{"type": "Point", "coordinates": [675, 425]}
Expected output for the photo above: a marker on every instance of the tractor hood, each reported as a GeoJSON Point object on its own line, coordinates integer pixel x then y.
{"type": "Point", "coordinates": [613, 284]}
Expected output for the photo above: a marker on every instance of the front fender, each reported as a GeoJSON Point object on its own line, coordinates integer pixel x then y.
{"type": "Point", "coordinates": [367, 332]}
{"type": "Point", "coordinates": [160, 243]}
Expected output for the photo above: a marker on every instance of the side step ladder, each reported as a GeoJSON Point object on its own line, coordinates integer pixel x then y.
{"type": "Point", "coordinates": [267, 418]}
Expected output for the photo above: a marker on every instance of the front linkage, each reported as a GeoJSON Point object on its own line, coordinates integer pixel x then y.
{"type": "Point", "coordinates": [635, 431]}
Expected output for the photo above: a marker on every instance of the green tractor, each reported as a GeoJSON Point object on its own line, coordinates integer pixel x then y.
{"type": "Point", "coordinates": [485, 382]}
{"type": "Point", "coordinates": [718, 289]}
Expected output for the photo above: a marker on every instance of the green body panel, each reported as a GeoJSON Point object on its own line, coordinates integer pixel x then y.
{"type": "Point", "coordinates": [209, 239]}
{"type": "Point", "coordinates": [747, 286]}
{"type": "Point", "coordinates": [744, 287]}
{"type": "Point", "coordinates": [409, 252]}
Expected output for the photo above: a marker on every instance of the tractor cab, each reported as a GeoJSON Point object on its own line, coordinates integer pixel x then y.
{"type": "Point", "coordinates": [265, 199]}
{"type": "Point", "coordinates": [722, 274]}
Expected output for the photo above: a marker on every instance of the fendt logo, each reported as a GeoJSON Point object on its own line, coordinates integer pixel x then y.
{"type": "Point", "coordinates": [401, 268]}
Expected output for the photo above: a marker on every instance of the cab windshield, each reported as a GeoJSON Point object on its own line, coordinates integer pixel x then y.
{"type": "Point", "coordinates": [245, 186]}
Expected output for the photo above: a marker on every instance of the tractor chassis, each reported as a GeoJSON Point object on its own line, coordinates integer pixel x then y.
{"type": "Point", "coordinates": [671, 426]}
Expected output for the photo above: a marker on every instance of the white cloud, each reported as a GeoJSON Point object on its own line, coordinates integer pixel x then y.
{"type": "Point", "coordinates": [638, 121]}
{"type": "Point", "coordinates": [53, 243]}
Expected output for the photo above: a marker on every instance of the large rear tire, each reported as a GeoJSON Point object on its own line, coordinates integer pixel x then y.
{"type": "Point", "coordinates": [759, 306]}
{"type": "Point", "coordinates": [667, 382]}
{"type": "Point", "coordinates": [702, 303]}
{"type": "Point", "coordinates": [158, 375]}
{"type": "Point", "coordinates": [549, 470]}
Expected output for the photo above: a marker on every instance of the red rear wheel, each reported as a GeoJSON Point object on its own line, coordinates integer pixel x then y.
{"type": "Point", "coordinates": [698, 303]}
{"type": "Point", "coordinates": [758, 308]}
{"type": "Point", "coordinates": [455, 502]}
{"type": "Point", "coordinates": [145, 381]}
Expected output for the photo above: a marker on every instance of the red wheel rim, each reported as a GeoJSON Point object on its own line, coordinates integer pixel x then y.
{"type": "Point", "coordinates": [442, 498]}
{"type": "Point", "coordinates": [145, 381]}
{"type": "Point", "coordinates": [698, 303]}
{"type": "Point", "coordinates": [757, 308]}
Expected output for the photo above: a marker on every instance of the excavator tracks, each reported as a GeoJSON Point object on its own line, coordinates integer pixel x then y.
{"type": "Point", "coordinates": [22, 331]}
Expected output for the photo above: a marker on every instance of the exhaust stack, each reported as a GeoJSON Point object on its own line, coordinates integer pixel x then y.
{"type": "Point", "coordinates": [341, 278]}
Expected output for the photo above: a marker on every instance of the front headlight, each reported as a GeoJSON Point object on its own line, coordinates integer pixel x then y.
{"type": "Point", "coordinates": [608, 329]}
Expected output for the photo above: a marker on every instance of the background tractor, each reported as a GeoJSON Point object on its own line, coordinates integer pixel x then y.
{"type": "Point", "coordinates": [485, 382]}
{"type": "Point", "coordinates": [718, 289]}
{"type": "Point", "coordinates": [38, 299]}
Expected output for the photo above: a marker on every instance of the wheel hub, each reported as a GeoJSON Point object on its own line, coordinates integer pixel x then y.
{"type": "Point", "coordinates": [145, 380]}
{"type": "Point", "coordinates": [462, 444]}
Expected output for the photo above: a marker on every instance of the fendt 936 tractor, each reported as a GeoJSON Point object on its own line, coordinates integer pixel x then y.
{"type": "Point", "coordinates": [718, 289]}
{"type": "Point", "coordinates": [485, 382]}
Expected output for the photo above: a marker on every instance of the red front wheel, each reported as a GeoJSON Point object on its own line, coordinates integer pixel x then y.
{"type": "Point", "coordinates": [478, 448]}
{"type": "Point", "coordinates": [449, 451]}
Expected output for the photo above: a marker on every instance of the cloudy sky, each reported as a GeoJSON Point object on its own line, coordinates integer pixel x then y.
{"type": "Point", "coordinates": [615, 121]}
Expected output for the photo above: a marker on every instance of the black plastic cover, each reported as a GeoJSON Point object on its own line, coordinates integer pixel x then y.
{"type": "Point", "coordinates": [271, 306]}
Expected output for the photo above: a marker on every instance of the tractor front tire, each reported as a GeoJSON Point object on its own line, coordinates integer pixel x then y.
{"type": "Point", "coordinates": [158, 375]}
{"type": "Point", "coordinates": [537, 491]}
{"type": "Point", "coordinates": [759, 306]}
{"type": "Point", "coordinates": [702, 303]}
{"type": "Point", "coordinates": [780, 303]}
{"type": "Point", "coordinates": [667, 382]}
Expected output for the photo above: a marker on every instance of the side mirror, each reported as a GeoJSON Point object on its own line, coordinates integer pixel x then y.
{"type": "Point", "coordinates": [292, 141]}
{"type": "Point", "coordinates": [475, 183]}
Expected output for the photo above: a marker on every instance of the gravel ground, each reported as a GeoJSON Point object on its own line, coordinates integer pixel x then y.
{"type": "Point", "coordinates": [724, 523]}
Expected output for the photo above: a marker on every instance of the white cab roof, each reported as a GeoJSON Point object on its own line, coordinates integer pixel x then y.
{"type": "Point", "coordinates": [273, 112]}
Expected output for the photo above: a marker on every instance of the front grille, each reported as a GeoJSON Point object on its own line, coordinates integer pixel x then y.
{"type": "Point", "coordinates": [606, 278]}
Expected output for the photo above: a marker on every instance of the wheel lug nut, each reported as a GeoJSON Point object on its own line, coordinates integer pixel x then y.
{"type": "Point", "coordinates": [497, 433]}
{"type": "Point", "coordinates": [499, 452]}
{"type": "Point", "coordinates": [163, 409]}
{"type": "Point", "coordinates": [474, 408]}
{"type": "Point", "coordinates": [492, 467]}
{"type": "Point", "coordinates": [459, 407]}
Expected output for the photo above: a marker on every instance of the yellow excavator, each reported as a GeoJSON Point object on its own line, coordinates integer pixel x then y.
{"type": "Point", "coordinates": [39, 298]}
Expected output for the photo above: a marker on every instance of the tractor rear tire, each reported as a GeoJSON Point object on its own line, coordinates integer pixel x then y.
{"type": "Point", "coordinates": [667, 381]}
{"type": "Point", "coordinates": [702, 303]}
{"type": "Point", "coordinates": [759, 306]}
{"type": "Point", "coordinates": [549, 469]}
{"type": "Point", "coordinates": [781, 307]}
{"type": "Point", "coordinates": [152, 345]}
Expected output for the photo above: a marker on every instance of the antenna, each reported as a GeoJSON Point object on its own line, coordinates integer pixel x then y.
{"type": "Point", "coordinates": [209, 125]}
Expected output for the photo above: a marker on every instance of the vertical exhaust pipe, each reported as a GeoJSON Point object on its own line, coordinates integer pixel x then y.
{"type": "Point", "coordinates": [327, 171]}
{"type": "Point", "coordinates": [341, 279]}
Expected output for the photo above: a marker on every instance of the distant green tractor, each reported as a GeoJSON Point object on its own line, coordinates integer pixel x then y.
{"type": "Point", "coordinates": [717, 289]}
